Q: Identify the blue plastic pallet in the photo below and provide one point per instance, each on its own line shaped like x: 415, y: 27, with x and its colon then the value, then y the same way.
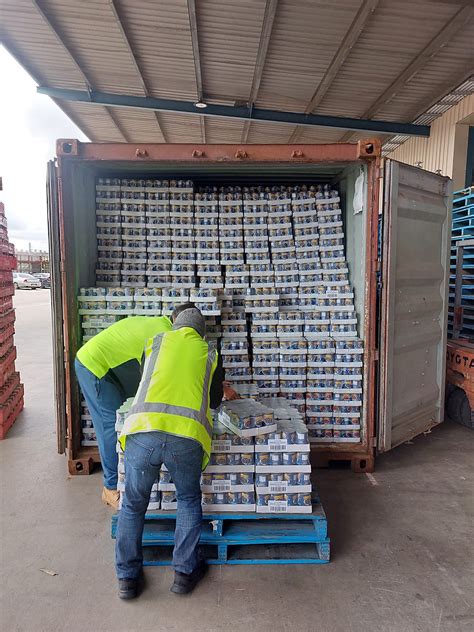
x: 463, y: 198
x: 465, y: 211
x: 462, y: 222
x: 462, y: 233
x: 246, y: 538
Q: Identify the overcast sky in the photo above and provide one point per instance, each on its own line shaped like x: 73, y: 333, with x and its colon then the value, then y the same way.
x: 30, y: 123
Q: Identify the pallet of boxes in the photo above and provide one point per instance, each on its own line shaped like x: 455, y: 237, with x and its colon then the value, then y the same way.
x: 259, y: 461
x: 258, y: 475
x: 11, y: 390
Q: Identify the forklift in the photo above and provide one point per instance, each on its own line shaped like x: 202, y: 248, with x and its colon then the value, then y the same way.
x: 460, y: 347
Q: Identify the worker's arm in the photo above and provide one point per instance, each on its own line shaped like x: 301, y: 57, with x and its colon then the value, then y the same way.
x: 217, y: 384
x: 229, y: 392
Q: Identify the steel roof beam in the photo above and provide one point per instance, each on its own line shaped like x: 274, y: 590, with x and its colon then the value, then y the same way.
x: 267, y: 26
x: 120, y: 23
x: 445, y: 91
x: 235, y: 113
x: 197, y: 63
x: 85, y: 78
x: 202, y: 123
x: 195, y: 45
x: 358, y: 24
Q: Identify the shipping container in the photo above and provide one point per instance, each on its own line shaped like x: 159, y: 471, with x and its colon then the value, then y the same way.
x: 397, y: 249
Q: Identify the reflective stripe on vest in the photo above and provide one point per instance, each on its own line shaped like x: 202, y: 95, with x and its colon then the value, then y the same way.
x: 137, y: 423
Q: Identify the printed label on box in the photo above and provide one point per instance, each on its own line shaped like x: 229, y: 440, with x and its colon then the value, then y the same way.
x: 277, y: 487
x: 277, y: 445
x: 221, y: 446
x: 278, y: 506
x: 221, y: 486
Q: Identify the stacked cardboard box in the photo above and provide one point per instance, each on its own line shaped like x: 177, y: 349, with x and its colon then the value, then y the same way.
x: 183, y: 244
x: 147, y: 301
x: 88, y: 436
x: 336, y: 378
x: 283, y: 470
x: 158, y: 233
x: 267, y: 266
x: 109, y: 232
x: 133, y: 215
x: 11, y: 390
x: 206, y: 231
x: 99, y: 307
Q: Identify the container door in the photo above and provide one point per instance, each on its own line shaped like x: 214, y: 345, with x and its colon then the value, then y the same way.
x: 56, y: 304
x: 415, y: 275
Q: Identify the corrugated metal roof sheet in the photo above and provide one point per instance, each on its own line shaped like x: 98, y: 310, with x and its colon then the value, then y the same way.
x: 396, y: 33
x: 139, y: 47
x: 305, y: 38
x: 437, y: 152
x: 160, y: 36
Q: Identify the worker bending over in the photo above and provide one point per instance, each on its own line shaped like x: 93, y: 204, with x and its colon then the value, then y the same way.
x: 170, y: 422
x: 108, y: 372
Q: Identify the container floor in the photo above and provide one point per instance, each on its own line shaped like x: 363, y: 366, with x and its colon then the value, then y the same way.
x: 402, y: 552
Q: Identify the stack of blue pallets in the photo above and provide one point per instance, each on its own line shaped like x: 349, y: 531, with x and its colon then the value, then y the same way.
x: 463, y: 228
x: 246, y: 538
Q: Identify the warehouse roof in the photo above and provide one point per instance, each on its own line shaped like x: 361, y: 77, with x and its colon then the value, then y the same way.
x: 381, y: 60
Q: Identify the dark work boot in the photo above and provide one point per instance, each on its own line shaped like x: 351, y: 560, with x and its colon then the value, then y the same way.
x: 184, y: 584
x: 128, y: 588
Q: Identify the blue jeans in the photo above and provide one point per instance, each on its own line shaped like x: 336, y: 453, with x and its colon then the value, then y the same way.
x: 144, y: 454
x: 103, y: 398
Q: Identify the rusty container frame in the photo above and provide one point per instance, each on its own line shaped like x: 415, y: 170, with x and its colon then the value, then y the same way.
x: 70, y: 152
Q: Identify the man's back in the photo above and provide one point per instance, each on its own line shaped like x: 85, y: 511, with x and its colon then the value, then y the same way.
x: 182, y: 368
x: 120, y: 343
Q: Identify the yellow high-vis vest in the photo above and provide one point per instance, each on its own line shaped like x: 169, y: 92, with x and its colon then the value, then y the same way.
x: 173, y: 395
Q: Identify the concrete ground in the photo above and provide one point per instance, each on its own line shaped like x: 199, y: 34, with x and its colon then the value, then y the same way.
x: 402, y: 541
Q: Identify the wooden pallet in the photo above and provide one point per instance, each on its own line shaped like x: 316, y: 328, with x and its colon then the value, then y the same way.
x: 242, y: 538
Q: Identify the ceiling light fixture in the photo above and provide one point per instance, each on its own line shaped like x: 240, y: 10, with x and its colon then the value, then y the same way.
x: 200, y: 104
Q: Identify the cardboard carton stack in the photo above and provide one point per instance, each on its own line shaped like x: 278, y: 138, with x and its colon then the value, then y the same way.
x: 99, y: 307
x: 109, y: 232
x: 282, y: 466
x: 267, y: 267
x: 157, y: 233
x: 88, y: 435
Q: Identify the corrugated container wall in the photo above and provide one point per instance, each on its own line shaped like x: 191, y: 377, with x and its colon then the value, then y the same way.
x: 445, y: 151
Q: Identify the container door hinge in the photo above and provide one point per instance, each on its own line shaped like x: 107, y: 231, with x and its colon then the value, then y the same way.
x: 379, y: 278
x: 376, y: 355
x: 373, y: 442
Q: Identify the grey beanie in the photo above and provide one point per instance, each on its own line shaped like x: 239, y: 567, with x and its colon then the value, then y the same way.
x: 193, y: 318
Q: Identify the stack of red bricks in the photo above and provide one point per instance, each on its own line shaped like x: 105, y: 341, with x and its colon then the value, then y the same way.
x: 11, y: 390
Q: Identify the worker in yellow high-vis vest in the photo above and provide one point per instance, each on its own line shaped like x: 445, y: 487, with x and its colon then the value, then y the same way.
x: 108, y: 371
x: 169, y: 423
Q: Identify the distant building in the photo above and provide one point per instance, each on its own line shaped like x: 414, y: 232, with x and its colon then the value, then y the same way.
x: 32, y: 261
